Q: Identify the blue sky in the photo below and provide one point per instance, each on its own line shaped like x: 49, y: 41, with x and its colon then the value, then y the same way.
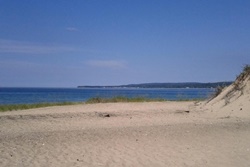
x: 62, y: 43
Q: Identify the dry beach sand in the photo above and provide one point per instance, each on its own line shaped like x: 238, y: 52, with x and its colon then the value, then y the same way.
x: 211, y: 133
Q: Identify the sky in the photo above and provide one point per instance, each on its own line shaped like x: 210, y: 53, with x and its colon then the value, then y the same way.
x: 63, y: 43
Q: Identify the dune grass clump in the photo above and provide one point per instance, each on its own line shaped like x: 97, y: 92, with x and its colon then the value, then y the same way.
x: 237, y: 83
x: 218, y: 90
x: 245, y: 72
x: 243, y: 75
x: 246, y: 69
x: 122, y: 99
x: 14, y: 107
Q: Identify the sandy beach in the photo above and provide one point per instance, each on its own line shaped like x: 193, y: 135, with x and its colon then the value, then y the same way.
x: 124, y: 83
x: 125, y: 134
x: 215, y: 132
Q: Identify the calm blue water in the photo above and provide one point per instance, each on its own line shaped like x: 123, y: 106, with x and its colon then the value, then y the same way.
x: 40, y: 95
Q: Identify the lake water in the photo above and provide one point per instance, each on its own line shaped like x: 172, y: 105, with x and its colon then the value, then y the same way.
x: 42, y: 95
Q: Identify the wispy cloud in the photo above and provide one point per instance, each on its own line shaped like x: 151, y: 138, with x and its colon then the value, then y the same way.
x: 14, y: 46
x: 112, y: 64
x: 72, y: 29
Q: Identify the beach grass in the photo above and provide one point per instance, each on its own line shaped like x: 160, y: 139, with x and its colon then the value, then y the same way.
x: 189, y: 99
x: 116, y: 99
x: 14, y: 107
x: 122, y: 99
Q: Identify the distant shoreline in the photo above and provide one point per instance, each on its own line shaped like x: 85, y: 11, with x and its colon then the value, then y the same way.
x: 167, y: 85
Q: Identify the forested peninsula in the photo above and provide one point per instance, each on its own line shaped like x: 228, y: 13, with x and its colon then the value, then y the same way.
x: 167, y: 85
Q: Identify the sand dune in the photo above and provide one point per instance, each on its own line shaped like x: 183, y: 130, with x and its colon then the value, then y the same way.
x: 233, y: 101
x: 212, y: 133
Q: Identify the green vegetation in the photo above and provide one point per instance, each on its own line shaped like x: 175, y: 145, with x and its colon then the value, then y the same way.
x: 245, y: 72
x: 13, y: 107
x: 166, y: 85
x: 189, y: 99
x: 237, y: 83
x: 218, y: 90
x: 243, y: 75
x: 122, y: 99
x: 246, y: 69
x: 134, y: 99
